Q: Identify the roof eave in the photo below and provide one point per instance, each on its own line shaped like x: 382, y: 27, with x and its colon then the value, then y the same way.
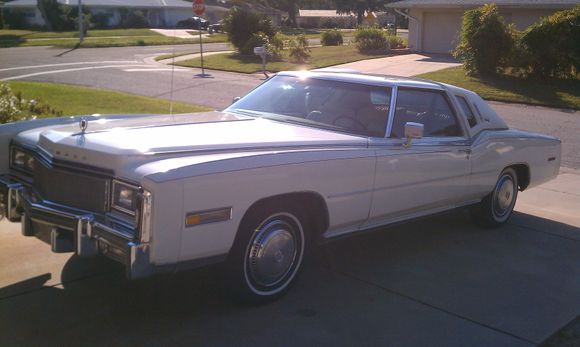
x: 462, y: 6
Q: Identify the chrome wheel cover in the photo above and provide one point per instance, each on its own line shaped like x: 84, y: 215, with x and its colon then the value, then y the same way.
x: 274, y: 254
x: 503, y: 196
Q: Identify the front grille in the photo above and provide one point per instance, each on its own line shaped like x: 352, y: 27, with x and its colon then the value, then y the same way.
x: 70, y: 188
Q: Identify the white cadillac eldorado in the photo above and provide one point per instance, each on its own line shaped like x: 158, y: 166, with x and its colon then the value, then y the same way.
x: 303, y: 158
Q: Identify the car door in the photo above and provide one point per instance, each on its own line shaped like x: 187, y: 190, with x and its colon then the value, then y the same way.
x: 430, y: 175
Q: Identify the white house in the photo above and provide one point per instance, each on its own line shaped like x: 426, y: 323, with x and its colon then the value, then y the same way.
x: 159, y: 13
x: 434, y: 25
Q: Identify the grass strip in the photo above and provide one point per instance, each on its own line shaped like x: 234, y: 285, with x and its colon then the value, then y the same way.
x: 506, y: 88
x: 74, y: 100
x: 320, y: 57
x: 96, y: 38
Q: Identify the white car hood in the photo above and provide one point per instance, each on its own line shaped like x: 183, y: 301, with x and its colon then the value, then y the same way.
x: 114, y: 144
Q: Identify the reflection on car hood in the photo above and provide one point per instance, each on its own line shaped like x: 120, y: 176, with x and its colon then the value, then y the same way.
x: 106, y: 141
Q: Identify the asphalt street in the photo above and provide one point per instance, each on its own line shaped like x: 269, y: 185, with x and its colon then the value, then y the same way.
x: 127, y: 69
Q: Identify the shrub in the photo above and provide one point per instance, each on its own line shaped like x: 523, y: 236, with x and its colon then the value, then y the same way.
x: 396, y: 42
x: 331, y: 38
x: 69, y: 19
x: 553, y: 45
x: 275, y: 46
x: 485, y: 41
x: 256, y: 40
x: 242, y: 25
x: 329, y: 23
x: 299, y: 51
x: 136, y: 19
x: 370, y: 39
x: 101, y: 20
x: 14, y: 108
x: 15, y: 20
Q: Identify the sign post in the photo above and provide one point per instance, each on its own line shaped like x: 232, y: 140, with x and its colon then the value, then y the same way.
x: 263, y: 53
x: 199, y: 10
x: 81, y: 29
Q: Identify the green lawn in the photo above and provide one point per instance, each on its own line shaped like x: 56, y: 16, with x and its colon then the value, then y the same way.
x: 320, y: 57
x: 95, y: 38
x: 73, y: 100
x: 554, y: 93
x: 167, y: 56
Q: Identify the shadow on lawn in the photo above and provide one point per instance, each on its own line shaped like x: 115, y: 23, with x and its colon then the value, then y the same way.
x: 547, y: 92
x: 11, y: 41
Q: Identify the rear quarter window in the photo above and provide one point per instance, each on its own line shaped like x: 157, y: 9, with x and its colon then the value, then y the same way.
x: 467, y: 111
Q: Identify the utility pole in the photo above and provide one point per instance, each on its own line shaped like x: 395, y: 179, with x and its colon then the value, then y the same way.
x: 81, y: 32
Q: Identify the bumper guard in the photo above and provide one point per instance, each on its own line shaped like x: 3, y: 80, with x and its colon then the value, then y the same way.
x: 89, y: 236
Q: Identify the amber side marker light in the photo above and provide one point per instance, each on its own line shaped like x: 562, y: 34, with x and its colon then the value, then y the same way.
x: 210, y: 216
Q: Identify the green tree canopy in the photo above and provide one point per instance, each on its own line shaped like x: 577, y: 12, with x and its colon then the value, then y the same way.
x: 359, y: 7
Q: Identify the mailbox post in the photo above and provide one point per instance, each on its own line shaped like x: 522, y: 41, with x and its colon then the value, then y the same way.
x: 263, y: 53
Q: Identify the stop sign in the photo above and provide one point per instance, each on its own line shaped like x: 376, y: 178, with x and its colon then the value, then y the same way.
x: 198, y: 7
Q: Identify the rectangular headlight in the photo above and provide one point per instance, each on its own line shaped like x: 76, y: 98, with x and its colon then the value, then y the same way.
x: 22, y: 160
x: 125, y: 197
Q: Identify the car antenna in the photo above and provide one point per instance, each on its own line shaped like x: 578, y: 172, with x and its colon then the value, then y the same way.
x: 172, y: 73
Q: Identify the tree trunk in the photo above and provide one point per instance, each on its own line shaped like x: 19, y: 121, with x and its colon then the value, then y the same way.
x: 360, y: 17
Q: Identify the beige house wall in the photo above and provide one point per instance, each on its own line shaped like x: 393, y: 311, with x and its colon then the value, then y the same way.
x: 436, y: 30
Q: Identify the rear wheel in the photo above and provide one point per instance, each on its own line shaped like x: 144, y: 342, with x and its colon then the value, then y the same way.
x: 497, y: 207
x: 268, y: 253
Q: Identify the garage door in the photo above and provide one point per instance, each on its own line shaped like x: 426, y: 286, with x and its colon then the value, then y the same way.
x: 440, y: 32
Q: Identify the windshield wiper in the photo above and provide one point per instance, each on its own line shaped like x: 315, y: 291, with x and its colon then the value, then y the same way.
x: 247, y: 112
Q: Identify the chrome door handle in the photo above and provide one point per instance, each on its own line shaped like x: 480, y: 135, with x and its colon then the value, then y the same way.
x: 467, y: 151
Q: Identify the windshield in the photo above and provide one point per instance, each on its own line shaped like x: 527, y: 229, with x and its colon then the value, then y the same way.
x: 353, y: 108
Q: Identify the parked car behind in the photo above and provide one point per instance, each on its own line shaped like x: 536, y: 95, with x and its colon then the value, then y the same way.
x: 216, y: 27
x: 193, y: 23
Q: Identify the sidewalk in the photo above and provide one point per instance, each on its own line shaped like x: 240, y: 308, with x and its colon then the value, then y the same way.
x: 403, y: 65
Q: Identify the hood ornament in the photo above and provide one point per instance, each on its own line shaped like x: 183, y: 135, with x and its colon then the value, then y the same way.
x: 83, y: 124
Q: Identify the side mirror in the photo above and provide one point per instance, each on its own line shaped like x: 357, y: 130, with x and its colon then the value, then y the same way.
x: 236, y: 99
x: 412, y: 131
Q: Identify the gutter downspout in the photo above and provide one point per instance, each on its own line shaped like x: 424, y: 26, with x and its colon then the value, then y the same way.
x: 405, y: 14
x: 412, y: 18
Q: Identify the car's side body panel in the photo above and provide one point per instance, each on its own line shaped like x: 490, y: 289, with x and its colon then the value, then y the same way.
x: 494, y: 150
x: 344, y: 184
x: 430, y: 174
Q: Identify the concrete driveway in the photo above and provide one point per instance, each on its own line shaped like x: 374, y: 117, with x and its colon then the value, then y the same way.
x: 438, y: 282
x: 403, y: 65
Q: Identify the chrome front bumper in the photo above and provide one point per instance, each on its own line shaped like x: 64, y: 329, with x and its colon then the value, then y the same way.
x: 72, y: 230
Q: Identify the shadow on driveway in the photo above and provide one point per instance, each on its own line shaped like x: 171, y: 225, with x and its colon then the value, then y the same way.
x: 438, y: 281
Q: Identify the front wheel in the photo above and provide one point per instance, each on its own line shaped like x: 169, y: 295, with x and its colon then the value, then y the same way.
x: 497, y: 207
x: 268, y: 253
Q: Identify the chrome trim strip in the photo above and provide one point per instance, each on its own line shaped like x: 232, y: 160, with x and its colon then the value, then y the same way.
x: 392, y: 112
x: 113, y: 231
x: 422, y: 182
x: 146, y: 208
x: 343, y: 195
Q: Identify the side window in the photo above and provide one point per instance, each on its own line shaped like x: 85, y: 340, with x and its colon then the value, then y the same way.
x: 429, y: 108
x: 466, y: 110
